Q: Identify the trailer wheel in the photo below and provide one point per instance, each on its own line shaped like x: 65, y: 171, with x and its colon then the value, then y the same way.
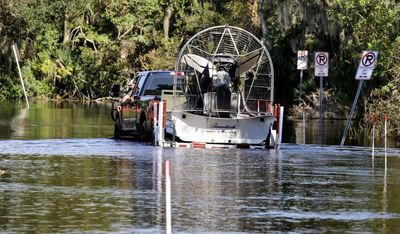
x: 270, y: 140
x: 143, y: 131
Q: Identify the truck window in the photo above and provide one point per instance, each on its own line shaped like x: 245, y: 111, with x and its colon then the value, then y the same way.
x: 140, y: 81
x: 157, y: 82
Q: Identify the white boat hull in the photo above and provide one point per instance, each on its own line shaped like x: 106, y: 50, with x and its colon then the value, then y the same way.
x: 242, y: 130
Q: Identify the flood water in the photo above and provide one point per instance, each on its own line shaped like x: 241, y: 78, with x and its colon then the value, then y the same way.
x: 61, y: 172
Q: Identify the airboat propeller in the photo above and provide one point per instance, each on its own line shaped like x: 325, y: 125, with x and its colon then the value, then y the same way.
x: 200, y: 64
x: 248, y: 61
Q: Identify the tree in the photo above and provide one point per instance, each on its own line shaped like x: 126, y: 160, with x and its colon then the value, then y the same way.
x: 374, y: 25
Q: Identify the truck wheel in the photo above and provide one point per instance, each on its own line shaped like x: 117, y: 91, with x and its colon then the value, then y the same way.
x: 150, y: 136
x: 146, y: 134
x: 117, y: 130
x: 114, y: 114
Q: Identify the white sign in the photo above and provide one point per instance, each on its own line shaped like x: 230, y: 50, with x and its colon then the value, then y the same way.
x: 321, y: 60
x: 302, y: 59
x: 367, y: 65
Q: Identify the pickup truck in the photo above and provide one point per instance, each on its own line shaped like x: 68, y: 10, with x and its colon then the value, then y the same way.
x: 135, y: 119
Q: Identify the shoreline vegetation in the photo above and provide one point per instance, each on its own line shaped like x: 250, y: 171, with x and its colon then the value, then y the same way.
x: 362, y: 122
x: 77, y: 50
x: 310, y: 105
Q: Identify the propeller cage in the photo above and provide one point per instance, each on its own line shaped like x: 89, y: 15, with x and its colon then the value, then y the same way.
x: 227, y: 71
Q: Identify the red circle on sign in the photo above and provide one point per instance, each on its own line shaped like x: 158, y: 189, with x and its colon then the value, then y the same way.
x: 368, y: 59
x: 321, y: 59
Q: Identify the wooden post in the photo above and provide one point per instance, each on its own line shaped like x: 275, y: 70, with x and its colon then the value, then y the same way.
x: 20, y: 75
x: 281, y: 109
x: 160, y: 123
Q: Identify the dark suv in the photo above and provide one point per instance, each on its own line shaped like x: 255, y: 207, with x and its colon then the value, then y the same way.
x: 136, y: 118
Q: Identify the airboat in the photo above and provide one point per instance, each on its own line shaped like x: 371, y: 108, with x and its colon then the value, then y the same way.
x: 223, y: 89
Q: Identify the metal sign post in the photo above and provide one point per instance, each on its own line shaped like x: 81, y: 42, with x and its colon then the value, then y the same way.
x: 353, y: 107
x: 364, y: 72
x: 321, y: 69
x: 321, y: 97
x: 302, y: 63
x: 301, y: 84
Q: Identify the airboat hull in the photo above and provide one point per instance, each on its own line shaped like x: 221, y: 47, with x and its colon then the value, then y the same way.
x: 252, y: 130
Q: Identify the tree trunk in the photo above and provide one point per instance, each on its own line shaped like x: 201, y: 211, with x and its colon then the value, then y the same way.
x: 262, y: 20
x: 167, y: 20
x: 66, y: 31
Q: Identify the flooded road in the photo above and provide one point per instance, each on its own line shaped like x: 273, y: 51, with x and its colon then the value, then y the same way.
x: 61, y: 181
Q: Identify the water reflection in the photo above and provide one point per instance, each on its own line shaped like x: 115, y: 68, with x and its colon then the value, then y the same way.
x: 51, y: 119
x: 55, y: 120
x: 279, y: 191
x: 77, y: 179
x: 17, y: 123
x: 309, y: 132
x: 103, y: 185
x: 50, y: 193
x: 299, y: 128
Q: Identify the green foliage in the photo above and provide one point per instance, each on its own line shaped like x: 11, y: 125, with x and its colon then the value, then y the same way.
x: 190, y: 17
x: 77, y: 49
x: 372, y: 25
x: 386, y: 101
x: 375, y: 25
x: 10, y: 88
x: 244, y: 13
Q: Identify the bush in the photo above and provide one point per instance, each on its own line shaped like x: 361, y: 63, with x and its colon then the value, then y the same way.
x: 10, y: 88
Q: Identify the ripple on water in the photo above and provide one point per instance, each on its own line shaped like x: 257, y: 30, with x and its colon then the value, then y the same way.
x: 106, y: 185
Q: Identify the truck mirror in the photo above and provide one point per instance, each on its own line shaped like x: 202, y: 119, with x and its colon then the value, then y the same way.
x: 114, y: 91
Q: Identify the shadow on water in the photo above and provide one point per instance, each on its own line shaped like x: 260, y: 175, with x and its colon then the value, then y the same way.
x: 68, y: 182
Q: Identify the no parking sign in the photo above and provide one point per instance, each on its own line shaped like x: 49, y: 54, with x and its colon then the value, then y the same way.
x: 321, y: 60
x: 367, y: 65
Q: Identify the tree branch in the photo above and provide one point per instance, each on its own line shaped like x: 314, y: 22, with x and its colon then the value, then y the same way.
x: 87, y: 39
x: 76, y: 31
x: 125, y: 33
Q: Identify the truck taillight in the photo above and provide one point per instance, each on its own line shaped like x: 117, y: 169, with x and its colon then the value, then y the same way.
x: 178, y: 73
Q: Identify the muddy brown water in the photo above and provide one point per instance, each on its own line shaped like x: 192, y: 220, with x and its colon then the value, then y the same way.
x: 61, y: 172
